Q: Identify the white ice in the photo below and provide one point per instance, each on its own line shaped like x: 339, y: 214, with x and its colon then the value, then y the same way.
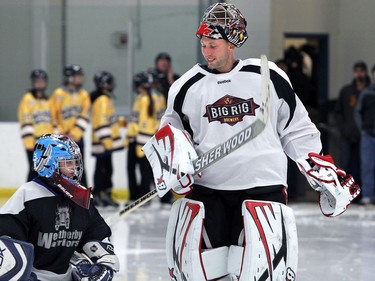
x: 330, y: 249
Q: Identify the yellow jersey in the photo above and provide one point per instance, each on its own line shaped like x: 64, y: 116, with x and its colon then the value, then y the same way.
x: 142, y: 125
x: 34, y: 116
x: 106, y: 135
x: 70, y: 111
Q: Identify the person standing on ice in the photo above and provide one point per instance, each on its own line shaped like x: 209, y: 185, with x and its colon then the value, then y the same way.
x: 234, y: 223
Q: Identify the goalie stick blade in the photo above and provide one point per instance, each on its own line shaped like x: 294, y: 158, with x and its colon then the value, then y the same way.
x: 247, y: 134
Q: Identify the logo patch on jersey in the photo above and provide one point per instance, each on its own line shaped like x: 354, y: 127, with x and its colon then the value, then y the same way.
x: 230, y: 110
x: 62, y: 217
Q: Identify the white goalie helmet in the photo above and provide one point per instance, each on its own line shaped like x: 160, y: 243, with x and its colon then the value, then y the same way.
x: 223, y: 21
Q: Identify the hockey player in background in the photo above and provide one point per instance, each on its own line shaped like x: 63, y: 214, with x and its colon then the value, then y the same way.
x: 50, y: 229
x: 34, y: 115
x: 148, y: 108
x: 106, y: 137
x: 70, y: 107
x: 234, y: 223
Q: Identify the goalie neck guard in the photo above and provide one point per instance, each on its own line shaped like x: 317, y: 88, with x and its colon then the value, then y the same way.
x: 223, y: 21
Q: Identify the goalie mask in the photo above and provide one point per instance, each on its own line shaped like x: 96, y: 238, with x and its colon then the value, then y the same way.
x: 59, y: 159
x: 57, y: 153
x: 223, y: 21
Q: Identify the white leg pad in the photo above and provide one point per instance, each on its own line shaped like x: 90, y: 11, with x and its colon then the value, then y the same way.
x: 185, y: 258
x: 270, y: 251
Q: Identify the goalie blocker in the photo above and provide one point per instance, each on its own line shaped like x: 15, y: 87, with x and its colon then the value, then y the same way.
x: 16, y: 259
x: 171, y: 154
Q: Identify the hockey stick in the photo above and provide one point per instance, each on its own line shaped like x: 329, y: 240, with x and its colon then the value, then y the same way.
x: 218, y: 152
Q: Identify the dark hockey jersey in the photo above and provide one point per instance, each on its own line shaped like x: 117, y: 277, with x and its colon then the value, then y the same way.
x: 56, y: 226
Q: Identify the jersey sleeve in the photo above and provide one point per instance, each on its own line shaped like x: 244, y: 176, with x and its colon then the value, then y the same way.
x: 171, y: 116
x: 25, y: 118
x: 56, y: 104
x: 14, y: 218
x: 298, y: 135
x: 133, y: 128
x: 83, y: 119
x: 101, y: 122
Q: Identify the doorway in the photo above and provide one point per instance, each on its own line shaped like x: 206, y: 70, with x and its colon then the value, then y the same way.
x: 306, y: 56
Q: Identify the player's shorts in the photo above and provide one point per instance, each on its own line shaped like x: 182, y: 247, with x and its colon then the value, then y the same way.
x: 223, y: 217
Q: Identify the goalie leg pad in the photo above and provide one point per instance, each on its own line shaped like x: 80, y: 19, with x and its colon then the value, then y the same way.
x: 186, y: 260
x: 270, y: 250
x: 16, y: 259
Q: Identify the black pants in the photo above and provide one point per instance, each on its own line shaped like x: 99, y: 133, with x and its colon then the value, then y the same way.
x: 81, y: 146
x: 223, y: 216
x: 103, y: 174
x: 147, y: 178
x: 132, y: 163
x: 31, y: 174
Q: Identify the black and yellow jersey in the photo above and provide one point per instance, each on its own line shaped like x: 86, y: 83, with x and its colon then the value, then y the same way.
x: 142, y: 125
x: 71, y: 111
x: 106, y: 135
x: 34, y: 116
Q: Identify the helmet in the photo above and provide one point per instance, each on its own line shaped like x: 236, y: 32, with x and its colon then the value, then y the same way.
x: 103, y: 78
x: 70, y: 71
x: 57, y: 154
x: 223, y: 21
x: 38, y: 74
x: 143, y: 79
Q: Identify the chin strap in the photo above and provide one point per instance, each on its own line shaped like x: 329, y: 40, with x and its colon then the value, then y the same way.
x: 73, y: 190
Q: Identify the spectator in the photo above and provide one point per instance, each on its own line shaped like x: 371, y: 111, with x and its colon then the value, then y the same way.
x: 365, y: 119
x: 296, y: 188
x: 300, y: 82
x: 34, y: 115
x: 70, y: 107
x: 344, y: 111
x: 105, y: 137
x: 163, y: 73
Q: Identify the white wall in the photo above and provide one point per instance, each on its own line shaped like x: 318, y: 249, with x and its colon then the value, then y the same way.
x: 13, y: 164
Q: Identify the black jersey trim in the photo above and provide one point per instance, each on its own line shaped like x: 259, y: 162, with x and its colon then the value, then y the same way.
x: 283, y: 89
x: 180, y: 98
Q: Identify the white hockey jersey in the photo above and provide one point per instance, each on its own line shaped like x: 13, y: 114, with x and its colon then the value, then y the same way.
x: 212, y: 107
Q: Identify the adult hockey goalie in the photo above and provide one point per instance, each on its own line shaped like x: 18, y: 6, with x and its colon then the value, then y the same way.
x: 50, y: 229
x: 234, y: 224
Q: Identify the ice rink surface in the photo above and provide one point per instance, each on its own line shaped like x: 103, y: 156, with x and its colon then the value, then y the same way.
x: 330, y: 249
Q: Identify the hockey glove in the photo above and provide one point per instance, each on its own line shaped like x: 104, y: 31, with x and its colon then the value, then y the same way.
x: 85, y: 270
x: 102, y: 253
x: 171, y: 156
x: 337, y: 189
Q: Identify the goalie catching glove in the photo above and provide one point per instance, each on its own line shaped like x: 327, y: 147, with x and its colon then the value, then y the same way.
x: 171, y: 156
x: 337, y: 189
